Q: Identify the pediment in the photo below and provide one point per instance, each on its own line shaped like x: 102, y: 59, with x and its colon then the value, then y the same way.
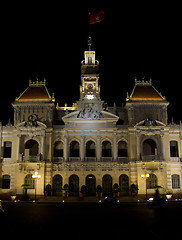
x: 24, y: 125
x: 104, y: 120
x: 150, y: 123
x: 101, y: 116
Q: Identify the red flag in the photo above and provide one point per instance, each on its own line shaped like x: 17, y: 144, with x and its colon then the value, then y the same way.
x: 96, y: 17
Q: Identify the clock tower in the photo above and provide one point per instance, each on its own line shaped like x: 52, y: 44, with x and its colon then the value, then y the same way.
x: 90, y: 89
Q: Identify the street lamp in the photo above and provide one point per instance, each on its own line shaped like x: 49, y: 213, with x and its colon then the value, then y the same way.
x: 36, y: 176
x: 145, y: 176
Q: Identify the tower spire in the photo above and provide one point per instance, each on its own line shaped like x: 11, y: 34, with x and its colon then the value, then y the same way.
x: 89, y: 42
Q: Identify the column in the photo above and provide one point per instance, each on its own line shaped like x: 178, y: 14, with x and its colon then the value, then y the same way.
x: 115, y: 152
x: 162, y: 147
x: 65, y: 148
x: 82, y: 147
x: 18, y: 147
x: 42, y: 146
x: 98, y: 148
x: 138, y: 147
x: 180, y: 152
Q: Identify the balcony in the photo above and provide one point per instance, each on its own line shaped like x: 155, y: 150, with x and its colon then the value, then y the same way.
x: 36, y: 158
x: 122, y: 159
x: 73, y: 159
x: 106, y: 159
x: 90, y: 159
x: 57, y: 160
x: 148, y: 158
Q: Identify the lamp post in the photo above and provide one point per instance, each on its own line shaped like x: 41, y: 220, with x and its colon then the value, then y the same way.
x: 36, y: 176
x: 145, y: 176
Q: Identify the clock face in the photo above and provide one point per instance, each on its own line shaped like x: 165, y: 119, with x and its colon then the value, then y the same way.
x: 90, y: 86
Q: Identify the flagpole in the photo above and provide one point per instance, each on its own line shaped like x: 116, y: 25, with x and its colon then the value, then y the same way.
x: 89, y: 34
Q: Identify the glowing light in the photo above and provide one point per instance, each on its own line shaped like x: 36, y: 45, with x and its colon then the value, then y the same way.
x: 36, y: 175
x: 90, y: 96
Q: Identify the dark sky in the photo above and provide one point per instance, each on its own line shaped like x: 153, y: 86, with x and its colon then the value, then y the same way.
x: 49, y: 39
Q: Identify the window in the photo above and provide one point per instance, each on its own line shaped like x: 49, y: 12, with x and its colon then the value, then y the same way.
x: 74, y: 149
x: 174, y: 149
x: 90, y: 149
x: 58, y: 149
x: 29, y: 180
x: 7, y: 149
x: 151, y: 181
x: 89, y: 60
x: 106, y: 149
x: 6, y: 182
x: 175, y: 181
x: 122, y: 149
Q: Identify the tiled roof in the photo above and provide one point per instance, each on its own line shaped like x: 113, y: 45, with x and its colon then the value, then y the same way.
x: 145, y: 91
x: 35, y: 92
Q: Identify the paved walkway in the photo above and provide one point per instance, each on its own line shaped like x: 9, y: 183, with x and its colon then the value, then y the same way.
x: 89, y: 199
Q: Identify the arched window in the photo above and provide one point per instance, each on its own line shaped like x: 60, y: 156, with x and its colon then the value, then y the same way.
x: 151, y: 181
x: 106, y: 149
x: 90, y: 149
x: 149, y: 147
x: 58, y: 149
x: 6, y: 182
x: 122, y: 149
x: 175, y: 181
x: 31, y: 148
x: 174, y: 149
x: 29, y: 181
x: 74, y: 149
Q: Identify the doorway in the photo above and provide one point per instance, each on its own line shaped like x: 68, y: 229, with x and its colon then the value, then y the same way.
x: 74, y: 185
x: 107, y: 184
x: 124, y: 185
x: 91, y: 185
x: 57, y: 185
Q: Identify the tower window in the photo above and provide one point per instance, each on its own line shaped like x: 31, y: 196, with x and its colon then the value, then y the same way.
x: 89, y: 60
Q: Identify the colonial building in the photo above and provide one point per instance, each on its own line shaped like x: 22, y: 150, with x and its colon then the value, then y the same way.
x: 91, y: 143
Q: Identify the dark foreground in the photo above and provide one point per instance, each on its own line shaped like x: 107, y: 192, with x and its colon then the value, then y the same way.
x: 91, y: 220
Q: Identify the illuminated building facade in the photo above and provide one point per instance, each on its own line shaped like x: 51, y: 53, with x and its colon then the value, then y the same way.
x: 91, y: 143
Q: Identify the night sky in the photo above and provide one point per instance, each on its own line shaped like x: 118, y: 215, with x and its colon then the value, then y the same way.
x: 49, y: 40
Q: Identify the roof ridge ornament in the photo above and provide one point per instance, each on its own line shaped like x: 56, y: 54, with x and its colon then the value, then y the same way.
x: 143, y: 82
x: 37, y: 83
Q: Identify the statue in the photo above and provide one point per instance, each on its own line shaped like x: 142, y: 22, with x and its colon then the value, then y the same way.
x: 89, y: 113
x: 32, y: 121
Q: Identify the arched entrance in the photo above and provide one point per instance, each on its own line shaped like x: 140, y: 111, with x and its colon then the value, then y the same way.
x: 124, y: 185
x: 31, y: 148
x: 149, y: 147
x: 91, y: 185
x: 57, y: 185
x: 107, y: 184
x: 74, y: 185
